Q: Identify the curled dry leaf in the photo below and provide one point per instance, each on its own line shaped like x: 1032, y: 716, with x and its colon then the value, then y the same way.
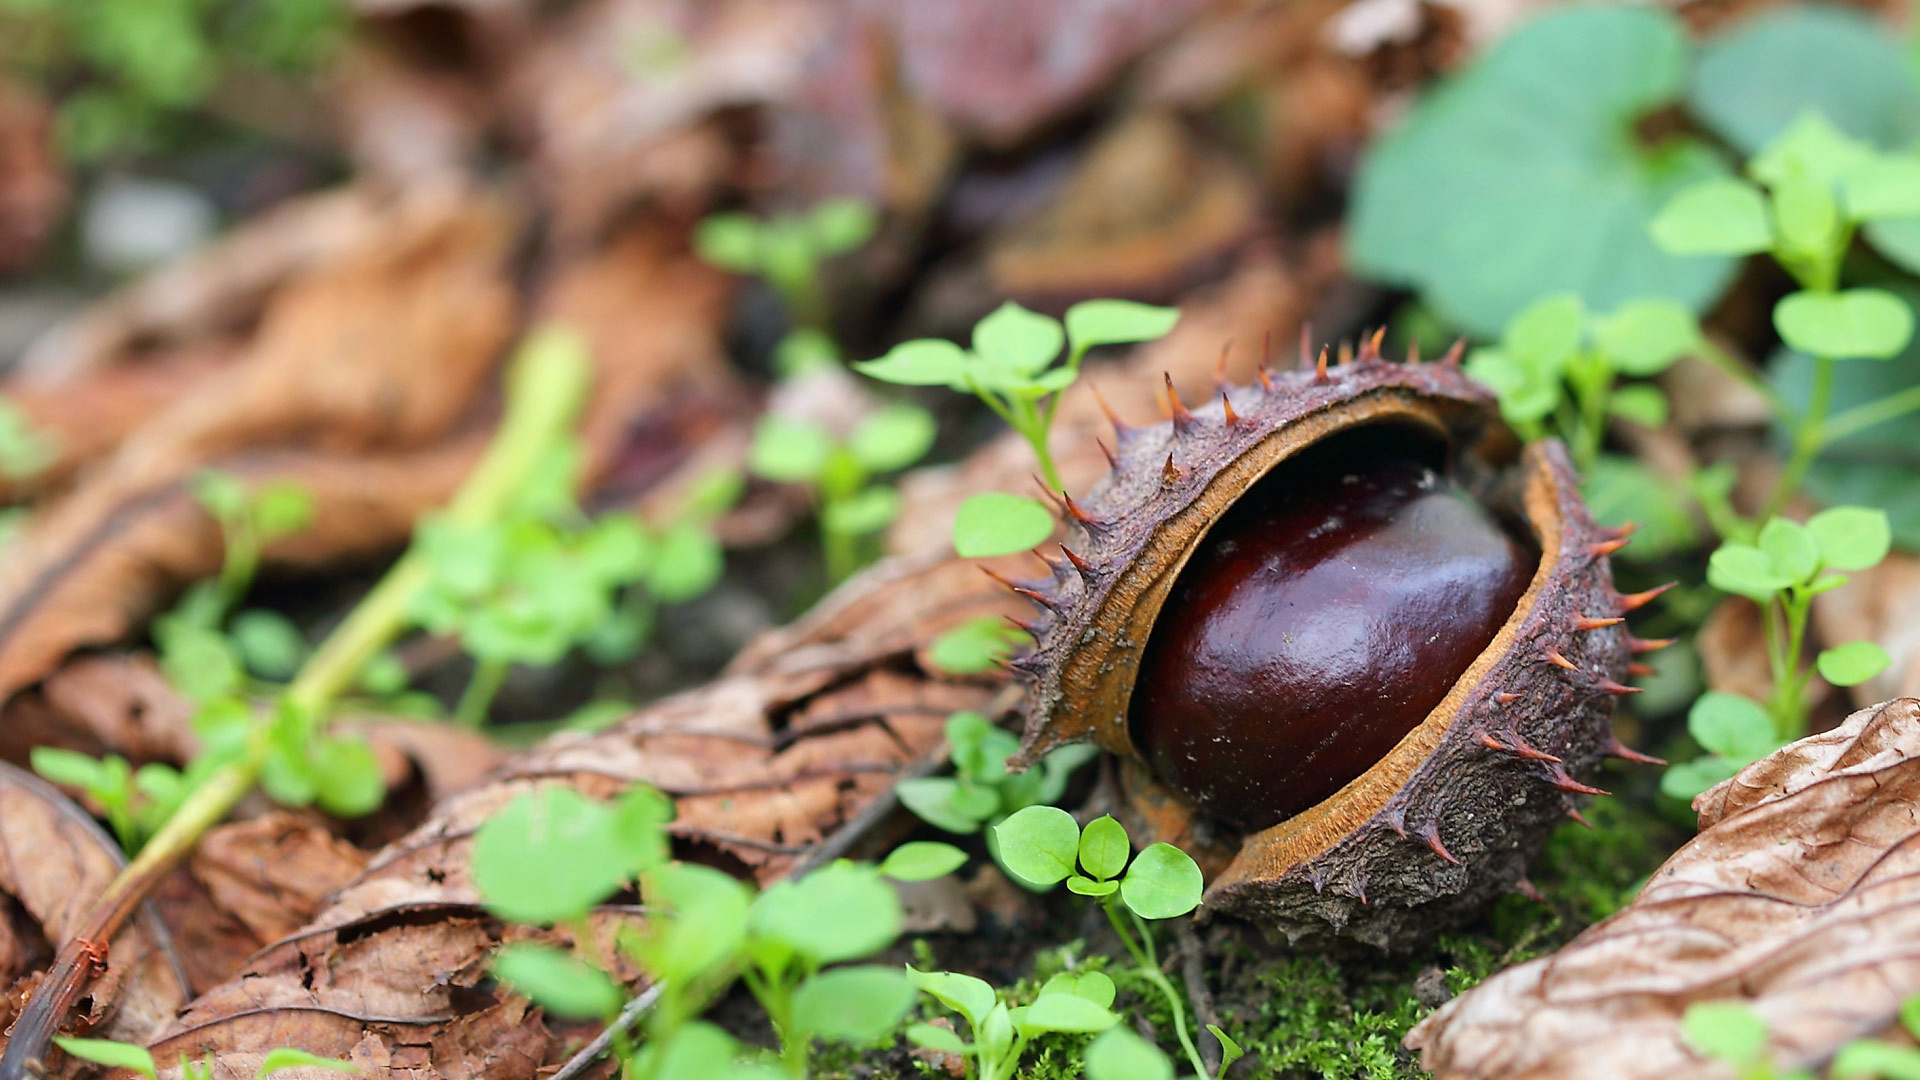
x: 272, y: 872
x: 1800, y: 897
x: 54, y: 860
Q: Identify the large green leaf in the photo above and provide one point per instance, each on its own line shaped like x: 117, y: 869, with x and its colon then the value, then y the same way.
x: 1842, y: 63
x: 1523, y: 177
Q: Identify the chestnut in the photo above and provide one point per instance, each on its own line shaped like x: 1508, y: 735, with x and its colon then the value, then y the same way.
x: 1343, y: 622
x: 1324, y: 617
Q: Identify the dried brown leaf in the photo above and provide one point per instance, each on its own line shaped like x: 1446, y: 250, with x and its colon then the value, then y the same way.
x: 1800, y: 897
x: 54, y: 860
x: 33, y: 188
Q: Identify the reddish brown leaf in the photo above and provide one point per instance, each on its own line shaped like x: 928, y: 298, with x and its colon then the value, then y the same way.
x: 1800, y: 897
x: 33, y: 189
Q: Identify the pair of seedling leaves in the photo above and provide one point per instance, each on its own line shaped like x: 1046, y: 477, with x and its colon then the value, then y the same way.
x: 1820, y: 186
x: 1733, y: 1033
x: 788, y: 250
x: 1787, y: 566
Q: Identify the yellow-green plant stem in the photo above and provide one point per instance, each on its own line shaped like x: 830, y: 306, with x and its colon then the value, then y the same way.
x: 1809, y: 437
x: 546, y: 385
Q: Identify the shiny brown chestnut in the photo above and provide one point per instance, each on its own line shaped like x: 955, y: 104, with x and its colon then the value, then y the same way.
x: 1345, y: 621
x: 1326, y: 615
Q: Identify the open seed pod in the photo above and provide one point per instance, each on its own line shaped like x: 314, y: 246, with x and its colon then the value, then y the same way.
x: 1344, y: 615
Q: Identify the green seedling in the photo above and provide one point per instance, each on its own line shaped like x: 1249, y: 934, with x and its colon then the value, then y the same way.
x: 132, y: 77
x: 1731, y: 1032
x: 1782, y: 572
x: 543, y: 579
x: 1805, y: 195
x: 788, y: 250
x: 981, y: 792
x: 976, y: 646
x: 1042, y: 846
x: 853, y: 508
x: 1557, y: 368
x: 1863, y: 1059
x: 1011, y: 364
x: 552, y: 856
x: 138, y: 1059
x: 1073, y: 1004
x: 135, y: 801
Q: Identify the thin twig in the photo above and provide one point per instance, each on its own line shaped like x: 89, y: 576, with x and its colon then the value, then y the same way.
x: 629, y: 1018
x: 1193, y: 970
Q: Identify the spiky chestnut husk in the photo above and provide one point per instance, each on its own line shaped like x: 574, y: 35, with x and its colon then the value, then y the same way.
x: 1449, y: 817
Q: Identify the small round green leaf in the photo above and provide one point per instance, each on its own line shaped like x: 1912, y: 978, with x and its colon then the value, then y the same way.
x: 1038, y: 845
x: 1869, y: 323
x: 1728, y: 1031
x: 863, y: 513
x: 1853, y: 663
x: 1850, y: 537
x: 839, y: 912
x: 1104, y: 848
x: 937, y: 801
x: 1686, y: 779
x: 1790, y: 549
x: 116, y: 1055
x: 1745, y: 571
x: 1064, y: 1012
x: 841, y: 225
x: 1732, y: 726
x: 789, y: 450
x: 1886, y: 187
x: 1119, y: 1054
x: 1116, y: 322
x: 558, y: 981
x: 1081, y: 885
x: 935, y: 1038
x: 893, y: 438
x: 999, y: 524
x: 1545, y: 333
x: 853, y: 1004
x: 973, y: 646
x: 700, y: 924
x: 1095, y: 986
x: 922, y: 860
x: 1017, y: 341
x: 348, y: 782
x: 1163, y: 883
x: 924, y: 362
x: 545, y: 858
x: 729, y: 241
x: 1714, y: 217
x: 1642, y: 403
x: 970, y: 997
x: 1645, y: 337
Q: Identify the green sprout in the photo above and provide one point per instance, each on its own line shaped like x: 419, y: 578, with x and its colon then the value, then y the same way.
x: 1782, y: 572
x: 1807, y: 193
x: 552, y: 856
x: 134, y: 1058
x: 1011, y: 364
x: 787, y: 250
x: 853, y: 509
x: 1042, y: 846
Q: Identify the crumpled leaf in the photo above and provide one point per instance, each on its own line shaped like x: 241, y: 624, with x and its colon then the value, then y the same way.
x: 54, y: 860
x: 1800, y: 897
